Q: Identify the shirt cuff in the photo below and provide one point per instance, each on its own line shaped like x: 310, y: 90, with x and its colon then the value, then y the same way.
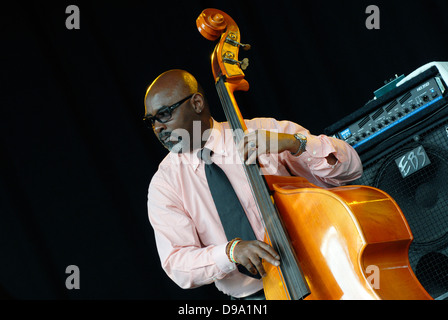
x: 316, y: 151
x: 221, y: 259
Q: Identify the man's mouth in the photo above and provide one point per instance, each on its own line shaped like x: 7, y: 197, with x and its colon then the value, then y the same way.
x: 164, y: 137
x: 174, y: 139
x: 169, y: 140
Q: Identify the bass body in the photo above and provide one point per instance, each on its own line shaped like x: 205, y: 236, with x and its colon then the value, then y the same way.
x: 351, y: 242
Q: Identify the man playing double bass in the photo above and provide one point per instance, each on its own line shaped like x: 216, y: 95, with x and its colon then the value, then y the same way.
x: 190, y: 237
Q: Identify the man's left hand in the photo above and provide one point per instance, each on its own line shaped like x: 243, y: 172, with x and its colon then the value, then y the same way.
x: 258, y: 142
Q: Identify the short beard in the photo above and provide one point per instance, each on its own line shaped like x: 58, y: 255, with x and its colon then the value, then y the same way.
x: 181, y: 140
x: 172, y: 146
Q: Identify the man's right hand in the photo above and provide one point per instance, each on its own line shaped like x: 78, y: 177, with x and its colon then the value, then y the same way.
x: 250, y: 253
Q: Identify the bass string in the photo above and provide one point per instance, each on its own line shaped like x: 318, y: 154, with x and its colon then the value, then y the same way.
x: 269, y: 214
x: 252, y: 171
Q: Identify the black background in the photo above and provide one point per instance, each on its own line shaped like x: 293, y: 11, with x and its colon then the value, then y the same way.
x: 76, y: 160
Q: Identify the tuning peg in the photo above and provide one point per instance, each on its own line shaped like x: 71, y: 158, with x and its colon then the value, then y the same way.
x: 243, y: 63
x: 245, y: 46
x: 231, y: 40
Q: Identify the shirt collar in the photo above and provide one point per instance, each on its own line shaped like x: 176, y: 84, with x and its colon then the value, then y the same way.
x: 215, y: 142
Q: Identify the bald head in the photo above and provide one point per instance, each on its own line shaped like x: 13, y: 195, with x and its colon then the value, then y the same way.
x: 168, y: 89
x: 173, y: 84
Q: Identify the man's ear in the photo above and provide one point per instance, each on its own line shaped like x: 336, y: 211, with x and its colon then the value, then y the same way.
x: 198, y: 103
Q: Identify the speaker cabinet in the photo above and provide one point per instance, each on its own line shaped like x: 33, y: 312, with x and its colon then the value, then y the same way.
x: 402, y: 140
x: 415, y: 174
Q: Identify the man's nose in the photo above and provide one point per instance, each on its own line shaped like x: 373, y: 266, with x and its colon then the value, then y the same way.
x: 158, y: 127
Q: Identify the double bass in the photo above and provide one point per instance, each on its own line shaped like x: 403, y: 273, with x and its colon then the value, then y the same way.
x: 348, y: 242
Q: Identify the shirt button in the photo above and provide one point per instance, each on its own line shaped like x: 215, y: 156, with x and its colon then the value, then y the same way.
x: 314, y: 152
x: 309, y: 159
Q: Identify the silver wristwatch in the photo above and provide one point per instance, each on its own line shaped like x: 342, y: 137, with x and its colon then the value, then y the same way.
x: 302, y: 139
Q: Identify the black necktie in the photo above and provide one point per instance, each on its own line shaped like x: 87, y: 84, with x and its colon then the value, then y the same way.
x: 230, y: 210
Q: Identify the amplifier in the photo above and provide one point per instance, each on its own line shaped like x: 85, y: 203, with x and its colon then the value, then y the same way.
x: 402, y: 139
x: 385, y: 116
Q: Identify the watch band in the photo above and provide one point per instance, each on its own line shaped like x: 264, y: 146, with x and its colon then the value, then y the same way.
x: 302, y: 138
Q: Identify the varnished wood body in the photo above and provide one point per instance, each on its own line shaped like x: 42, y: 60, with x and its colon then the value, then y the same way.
x: 352, y: 242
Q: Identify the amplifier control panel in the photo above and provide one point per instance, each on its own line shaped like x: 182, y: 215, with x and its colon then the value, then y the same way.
x: 392, y: 113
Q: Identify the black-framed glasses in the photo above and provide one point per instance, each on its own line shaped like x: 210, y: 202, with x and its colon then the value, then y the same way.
x: 164, y: 114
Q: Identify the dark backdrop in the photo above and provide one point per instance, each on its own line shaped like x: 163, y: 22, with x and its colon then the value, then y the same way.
x: 76, y: 159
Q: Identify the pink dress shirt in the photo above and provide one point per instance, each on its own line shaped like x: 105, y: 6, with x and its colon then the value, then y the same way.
x: 189, y: 236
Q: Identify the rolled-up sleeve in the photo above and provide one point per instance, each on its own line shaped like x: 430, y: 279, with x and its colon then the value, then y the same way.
x: 312, y: 164
x: 347, y: 168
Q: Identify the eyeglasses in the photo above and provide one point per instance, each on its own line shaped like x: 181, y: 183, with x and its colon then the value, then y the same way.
x: 164, y: 114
